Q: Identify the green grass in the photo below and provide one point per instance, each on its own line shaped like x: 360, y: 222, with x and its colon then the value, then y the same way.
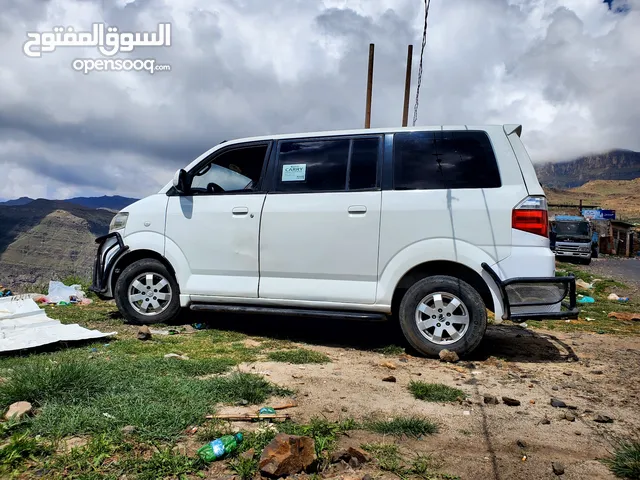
x: 390, y: 350
x: 244, y: 467
x: 626, y: 461
x: 20, y: 448
x: 434, y: 392
x: 298, y: 356
x: 422, y: 466
x: 410, y: 426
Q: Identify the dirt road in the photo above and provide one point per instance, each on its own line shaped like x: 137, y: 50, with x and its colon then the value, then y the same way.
x: 593, y: 374
x: 626, y: 270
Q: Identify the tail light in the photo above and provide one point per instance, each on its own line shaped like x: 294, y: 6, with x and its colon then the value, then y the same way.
x: 531, y: 216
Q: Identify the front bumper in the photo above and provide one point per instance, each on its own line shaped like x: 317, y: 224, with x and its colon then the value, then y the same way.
x: 524, y: 298
x: 110, y: 249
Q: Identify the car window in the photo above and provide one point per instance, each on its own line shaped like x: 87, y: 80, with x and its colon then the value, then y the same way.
x: 327, y: 165
x: 234, y: 170
x: 443, y: 160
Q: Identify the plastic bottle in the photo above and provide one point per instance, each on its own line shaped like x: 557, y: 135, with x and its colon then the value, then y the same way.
x: 220, y: 447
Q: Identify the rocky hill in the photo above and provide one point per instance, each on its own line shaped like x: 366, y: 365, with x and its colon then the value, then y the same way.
x: 613, y: 165
x: 45, y: 240
x: 623, y: 196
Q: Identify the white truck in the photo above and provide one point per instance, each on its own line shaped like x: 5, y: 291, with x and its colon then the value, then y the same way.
x: 431, y: 226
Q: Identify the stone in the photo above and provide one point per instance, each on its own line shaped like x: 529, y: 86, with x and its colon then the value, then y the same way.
x: 448, y: 356
x: 390, y: 378
x: 558, y: 468
x: 554, y: 388
x: 597, y: 372
x: 545, y: 421
x: 128, y: 430
x: 491, y: 400
x: 347, y: 454
x: 367, y: 477
x: 521, y: 444
x: 568, y: 374
x: 287, y: 455
x: 570, y: 416
x: 18, y: 410
x: 512, y: 402
x: 389, y: 365
x: 248, y: 455
x: 176, y: 356
x: 144, y: 333
x: 558, y: 403
x: 603, y: 419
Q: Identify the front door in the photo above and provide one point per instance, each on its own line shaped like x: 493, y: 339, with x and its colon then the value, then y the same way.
x: 320, y: 222
x: 216, y: 227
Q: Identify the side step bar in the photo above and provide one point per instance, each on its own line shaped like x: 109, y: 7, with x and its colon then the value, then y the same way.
x: 290, y: 312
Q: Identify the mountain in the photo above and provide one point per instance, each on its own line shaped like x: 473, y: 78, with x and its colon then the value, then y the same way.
x: 17, y: 201
x: 612, y: 165
x: 48, y: 240
x: 115, y: 202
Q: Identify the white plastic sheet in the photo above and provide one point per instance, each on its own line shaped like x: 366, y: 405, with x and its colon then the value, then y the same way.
x: 23, y: 325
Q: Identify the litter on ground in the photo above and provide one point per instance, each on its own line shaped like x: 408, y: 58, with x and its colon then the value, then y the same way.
x: 23, y: 325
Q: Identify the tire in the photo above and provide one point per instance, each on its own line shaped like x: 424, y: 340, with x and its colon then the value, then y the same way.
x: 141, y: 312
x: 448, y: 288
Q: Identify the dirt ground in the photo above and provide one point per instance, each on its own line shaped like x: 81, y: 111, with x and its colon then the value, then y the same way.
x: 595, y: 374
x: 627, y: 269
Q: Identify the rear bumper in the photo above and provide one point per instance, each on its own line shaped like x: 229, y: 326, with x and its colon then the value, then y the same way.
x: 526, y: 298
x: 110, y: 249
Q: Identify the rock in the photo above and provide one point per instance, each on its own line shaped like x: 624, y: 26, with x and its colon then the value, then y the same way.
x: 144, y: 333
x: 389, y: 365
x: 532, y: 402
x: 390, y: 378
x: 350, y: 453
x: 491, y: 400
x: 625, y: 316
x: 353, y: 462
x: 558, y: 468
x: 287, y: 455
x: 545, y: 421
x: 367, y: 477
x: 558, y: 403
x: 568, y: 374
x: 512, y: 402
x: 176, y: 356
x: 243, y: 402
x: 603, y: 419
x: 570, y: 416
x: 597, y: 372
x: 555, y: 388
x: 128, y: 430
x: 448, y: 356
x: 18, y: 410
x: 248, y: 455
x: 521, y: 444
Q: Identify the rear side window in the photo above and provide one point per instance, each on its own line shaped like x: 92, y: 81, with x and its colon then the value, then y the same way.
x: 328, y: 165
x: 443, y: 160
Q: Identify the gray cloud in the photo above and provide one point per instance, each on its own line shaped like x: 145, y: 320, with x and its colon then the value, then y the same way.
x: 568, y: 70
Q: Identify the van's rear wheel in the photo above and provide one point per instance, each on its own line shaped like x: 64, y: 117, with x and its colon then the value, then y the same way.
x: 146, y: 293
x: 443, y: 312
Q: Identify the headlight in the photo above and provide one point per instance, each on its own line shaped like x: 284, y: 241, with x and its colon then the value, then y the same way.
x: 119, y: 221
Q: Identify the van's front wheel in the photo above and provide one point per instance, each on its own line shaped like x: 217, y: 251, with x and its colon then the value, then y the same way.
x: 146, y: 293
x: 443, y: 312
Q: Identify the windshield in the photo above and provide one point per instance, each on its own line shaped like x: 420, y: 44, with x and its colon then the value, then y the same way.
x: 572, y: 228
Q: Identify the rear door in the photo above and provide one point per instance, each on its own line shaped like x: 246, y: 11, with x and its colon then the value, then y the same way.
x: 447, y: 186
x: 320, y: 223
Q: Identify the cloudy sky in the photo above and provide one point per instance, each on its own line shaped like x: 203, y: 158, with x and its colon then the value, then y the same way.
x: 568, y: 70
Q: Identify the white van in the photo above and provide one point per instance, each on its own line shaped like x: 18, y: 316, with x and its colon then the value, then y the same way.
x: 432, y: 226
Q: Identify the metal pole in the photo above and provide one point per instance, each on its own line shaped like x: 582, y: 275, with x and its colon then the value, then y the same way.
x: 407, y: 87
x: 367, y: 117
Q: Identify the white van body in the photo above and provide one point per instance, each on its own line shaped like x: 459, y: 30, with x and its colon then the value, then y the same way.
x: 419, y: 203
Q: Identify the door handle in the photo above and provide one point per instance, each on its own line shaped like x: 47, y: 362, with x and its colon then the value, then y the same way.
x: 240, y: 211
x: 357, y: 209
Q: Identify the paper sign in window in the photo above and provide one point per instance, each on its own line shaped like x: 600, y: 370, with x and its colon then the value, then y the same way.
x: 294, y: 173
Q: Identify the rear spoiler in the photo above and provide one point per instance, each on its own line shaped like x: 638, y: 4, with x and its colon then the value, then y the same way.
x: 512, y: 128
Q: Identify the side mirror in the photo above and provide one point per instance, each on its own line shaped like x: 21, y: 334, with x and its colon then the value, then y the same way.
x: 180, y: 181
